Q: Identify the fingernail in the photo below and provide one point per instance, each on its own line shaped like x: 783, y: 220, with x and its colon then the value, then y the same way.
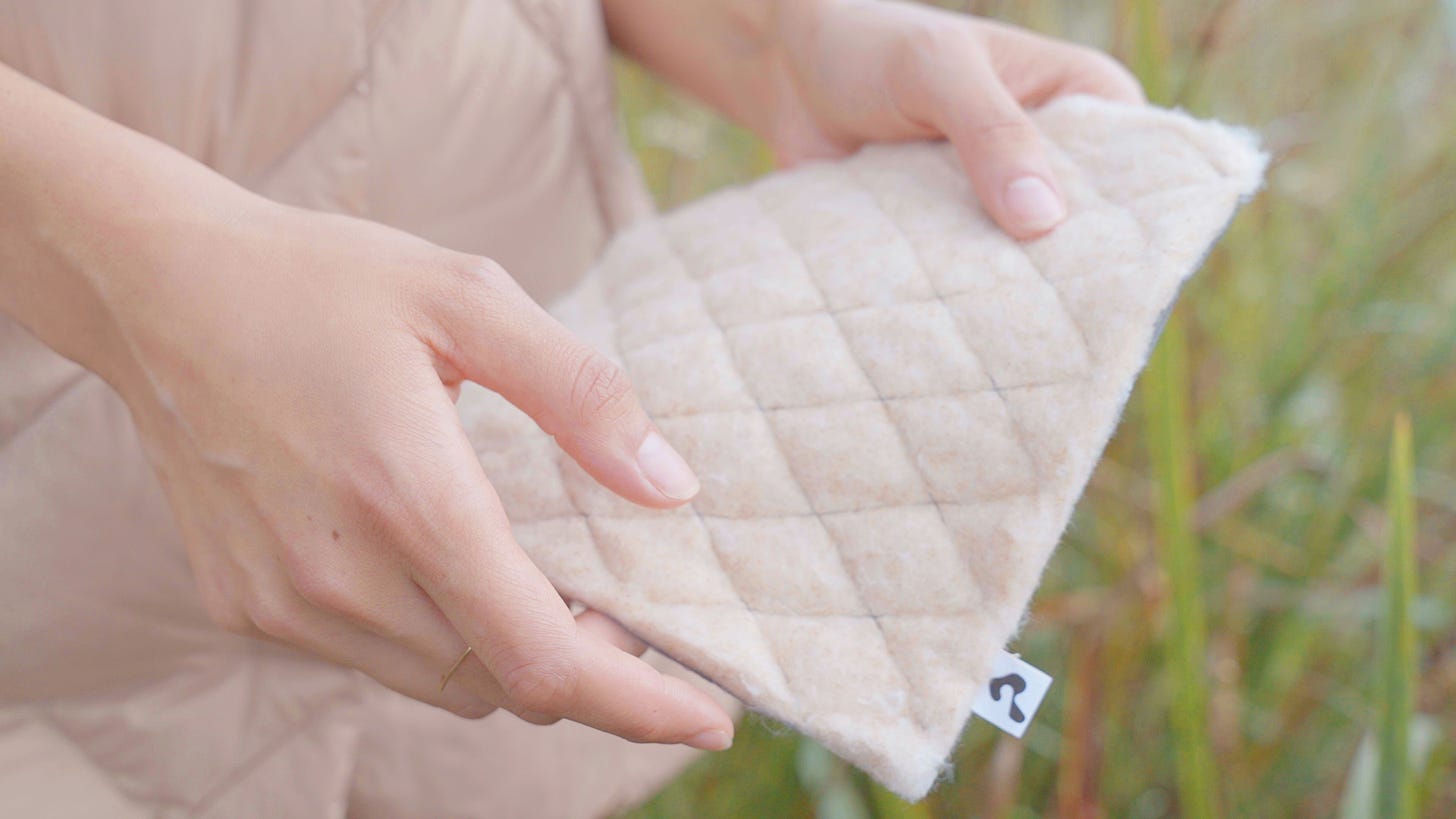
x: 1033, y: 204
x: 665, y: 468
x: 713, y: 739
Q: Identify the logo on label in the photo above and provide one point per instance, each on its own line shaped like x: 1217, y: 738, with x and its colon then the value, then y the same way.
x: 1011, y: 698
x: 1017, y: 684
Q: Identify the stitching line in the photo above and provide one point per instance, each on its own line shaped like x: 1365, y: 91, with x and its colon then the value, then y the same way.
x: 557, y: 461
x: 768, y: 645
x: 752, y: 193
x: 940, y: 299
x: 883, y: 399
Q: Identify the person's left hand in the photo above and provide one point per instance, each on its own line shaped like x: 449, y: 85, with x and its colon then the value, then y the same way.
x: 858, y: 71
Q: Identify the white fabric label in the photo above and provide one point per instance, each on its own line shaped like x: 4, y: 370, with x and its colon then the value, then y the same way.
x: 1015, y: 691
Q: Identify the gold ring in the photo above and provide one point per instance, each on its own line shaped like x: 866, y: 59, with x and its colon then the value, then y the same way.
x: 456, y: 667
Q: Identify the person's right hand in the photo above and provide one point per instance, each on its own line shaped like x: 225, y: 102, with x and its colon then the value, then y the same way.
x: 292, y: 377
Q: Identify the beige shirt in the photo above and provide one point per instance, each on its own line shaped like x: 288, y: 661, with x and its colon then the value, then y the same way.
x: 484, y: 126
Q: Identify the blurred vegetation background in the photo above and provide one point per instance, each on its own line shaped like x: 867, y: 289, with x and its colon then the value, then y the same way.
x: 1254, y: 610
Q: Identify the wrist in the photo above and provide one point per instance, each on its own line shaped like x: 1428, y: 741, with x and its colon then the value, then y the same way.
x: 104, y: 259
x: 93, y: 212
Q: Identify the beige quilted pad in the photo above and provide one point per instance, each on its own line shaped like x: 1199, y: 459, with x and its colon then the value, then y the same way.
x: 892, y: 407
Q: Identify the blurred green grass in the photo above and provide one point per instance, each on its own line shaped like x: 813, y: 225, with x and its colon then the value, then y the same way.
x: 1215, y: 614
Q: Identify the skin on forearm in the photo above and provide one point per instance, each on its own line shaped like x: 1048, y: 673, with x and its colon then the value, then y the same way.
x: 726, y: 52
x: 80, y: 191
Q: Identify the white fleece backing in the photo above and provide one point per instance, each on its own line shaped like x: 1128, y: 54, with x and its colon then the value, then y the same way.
x: 892, y: 407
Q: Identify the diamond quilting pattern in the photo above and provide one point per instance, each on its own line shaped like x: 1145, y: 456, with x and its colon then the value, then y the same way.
x: 892, y: 408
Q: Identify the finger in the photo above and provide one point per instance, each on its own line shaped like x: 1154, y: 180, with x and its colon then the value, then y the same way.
x: 503, y: 340
x: 287, y: 618
x: 1037, y: 69
x: 547, y: 664
x: 599, y: 626
x: 381, y: 599
x: 610, y: 631
x: 613, y: 687
x: 1088, y: 71
x: 949, y: 84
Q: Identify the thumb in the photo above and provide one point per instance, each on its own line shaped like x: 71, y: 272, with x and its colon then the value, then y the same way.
x: 959, y: 92
x: 503, y: 340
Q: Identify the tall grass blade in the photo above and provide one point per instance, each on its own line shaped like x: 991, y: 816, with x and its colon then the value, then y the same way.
x: 1396, y: 789
x: 1170, y: 447
x: 1150, y: 50
x: 1165, y: 391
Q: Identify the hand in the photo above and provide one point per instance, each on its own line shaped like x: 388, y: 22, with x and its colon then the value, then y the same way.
x: 291, y: 375
x: 857, y: 71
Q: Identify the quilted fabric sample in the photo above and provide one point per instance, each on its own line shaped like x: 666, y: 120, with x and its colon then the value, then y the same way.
x: 892, y: 407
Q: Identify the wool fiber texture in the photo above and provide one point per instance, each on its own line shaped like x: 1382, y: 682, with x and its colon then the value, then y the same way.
x: 893, y: 408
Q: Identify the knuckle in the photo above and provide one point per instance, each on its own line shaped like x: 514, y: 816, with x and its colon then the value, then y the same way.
x: 601, y: 393
x: 484, y: 269
x: 323, y: 586
x: 273, y: 616
x: 544, y: 685
x: 469, y: 292
x: 471, y: 709
x: 537, y: 719
x: 476, y: 282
